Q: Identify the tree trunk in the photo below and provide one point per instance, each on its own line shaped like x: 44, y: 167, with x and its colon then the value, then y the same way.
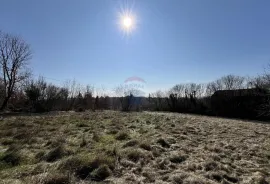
x: 4, y: 104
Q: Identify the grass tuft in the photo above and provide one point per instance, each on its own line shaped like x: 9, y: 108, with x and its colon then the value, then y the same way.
x: 131, y: 143
x: 134, y: 155
x: 55, y: 154
x: 163, y: 143
x: 101, y: 173
x: 146, y: 146
x: 210, y: 166
x: 178, y: 158
x: 50, y: 178
x: 10, y: 158
x: 122, y: 136
x: 84, y: 165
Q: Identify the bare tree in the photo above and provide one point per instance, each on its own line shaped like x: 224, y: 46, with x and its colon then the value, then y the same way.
x: 228, y: 82
x: 214, y: 86
x: 74, y: 88
x: 100, y: 91
x: 258, y: 82
x: 14, y: 56
x: 158, y: 98
x: 194, y: 90
x: 261, y: 81
x: 88, y: 97
x: 232, y: 82
x: 128, y: 96
x: 178, y: 89
x: 183, y: 90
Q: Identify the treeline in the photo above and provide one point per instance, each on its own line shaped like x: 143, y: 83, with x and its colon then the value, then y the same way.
x: 231, y: 95
x: 41, y: 96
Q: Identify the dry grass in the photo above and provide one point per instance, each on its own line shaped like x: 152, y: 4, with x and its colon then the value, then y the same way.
x: 117, y: 147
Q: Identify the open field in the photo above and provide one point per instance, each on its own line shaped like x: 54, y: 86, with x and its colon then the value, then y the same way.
x: 116, y: 147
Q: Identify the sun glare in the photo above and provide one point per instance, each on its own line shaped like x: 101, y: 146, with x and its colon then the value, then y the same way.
x: 127, y: 20
x: 127, y: 23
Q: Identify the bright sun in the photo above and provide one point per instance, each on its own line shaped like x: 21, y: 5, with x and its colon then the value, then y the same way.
x: 127, y: 19
x: 127, y: 22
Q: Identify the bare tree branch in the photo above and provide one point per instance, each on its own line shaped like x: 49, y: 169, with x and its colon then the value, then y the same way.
x: 14, y: 56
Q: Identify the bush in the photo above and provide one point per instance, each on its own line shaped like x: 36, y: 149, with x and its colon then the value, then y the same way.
x: 79, y: 109
x: 39, y: 108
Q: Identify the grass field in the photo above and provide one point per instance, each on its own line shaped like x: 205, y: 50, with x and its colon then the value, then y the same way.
x: 116, y: 147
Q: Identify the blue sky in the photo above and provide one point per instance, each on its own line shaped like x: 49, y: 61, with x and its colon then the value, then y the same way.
x: 175, y: 41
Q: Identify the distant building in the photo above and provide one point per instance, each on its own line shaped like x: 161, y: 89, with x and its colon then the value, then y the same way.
x: 243, y: 103
x: 241, y: 92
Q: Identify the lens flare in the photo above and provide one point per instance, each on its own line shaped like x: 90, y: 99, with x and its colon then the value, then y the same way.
x: 127, y: 20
